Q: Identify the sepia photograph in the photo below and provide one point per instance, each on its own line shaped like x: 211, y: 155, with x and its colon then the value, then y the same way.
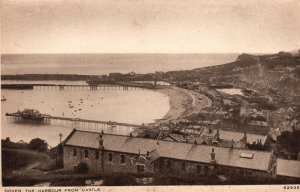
x: 138, y: 95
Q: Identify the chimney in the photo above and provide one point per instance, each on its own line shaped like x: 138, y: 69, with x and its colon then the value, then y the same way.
x: 218, y: 134
x: 245, y: 138
x: 101, y: 141
x: 148, y: 155
x: 212, y: 156
x: 231, y: 146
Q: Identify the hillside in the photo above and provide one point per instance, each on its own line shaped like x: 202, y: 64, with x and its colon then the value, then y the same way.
x: 275, y: 74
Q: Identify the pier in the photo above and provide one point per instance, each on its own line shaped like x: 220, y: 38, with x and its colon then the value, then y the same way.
x: 84, y: 124
x: 114, y: 86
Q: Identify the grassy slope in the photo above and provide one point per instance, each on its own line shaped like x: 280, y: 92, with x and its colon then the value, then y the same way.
x: 16, y: 159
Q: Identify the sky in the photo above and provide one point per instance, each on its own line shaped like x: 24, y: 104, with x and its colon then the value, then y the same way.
x: 156, y: 26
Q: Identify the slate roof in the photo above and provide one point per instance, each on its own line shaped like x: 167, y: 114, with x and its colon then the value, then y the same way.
x: 258, y: 123
x: 288, y: 168
x: 168, y: 149
x: 236, y: 136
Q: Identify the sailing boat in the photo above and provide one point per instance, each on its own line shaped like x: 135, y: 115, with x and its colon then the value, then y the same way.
x: 3, y: 98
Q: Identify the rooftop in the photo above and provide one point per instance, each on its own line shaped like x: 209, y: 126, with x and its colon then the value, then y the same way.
x: 289, y: 168
x: 168, y: 149
x: 236, y: 136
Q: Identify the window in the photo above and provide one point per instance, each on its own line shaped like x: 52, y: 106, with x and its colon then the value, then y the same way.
x: 86, y: 153
x: 225, y: 170
x: 168, y: 163
x: 247, y: 155
x: 243, y: 172
x: 248, y: 173
x: 140, y: 168
x: 74, y: 152
x: 122, y: 158
x: 199, y: 169
x: 110, y: 157
x: 97, y: 154
x: 205, y: 169
x: 183, y: 165
x: 162, y: 163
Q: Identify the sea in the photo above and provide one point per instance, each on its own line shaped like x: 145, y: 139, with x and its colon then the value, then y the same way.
x: 101, y: 64
x: 136, y: 106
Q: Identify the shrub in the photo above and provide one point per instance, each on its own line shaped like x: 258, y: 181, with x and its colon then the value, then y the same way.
x: 81, y: 168
x: 38, y: 144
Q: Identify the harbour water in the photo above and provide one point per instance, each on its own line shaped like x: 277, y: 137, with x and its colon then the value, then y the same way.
x: 131, y: 106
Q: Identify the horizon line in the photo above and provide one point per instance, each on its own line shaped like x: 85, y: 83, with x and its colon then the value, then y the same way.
x: 138, y: 53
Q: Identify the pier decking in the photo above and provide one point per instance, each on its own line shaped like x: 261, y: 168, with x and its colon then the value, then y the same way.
x: 113, y: 86
x: 85, y: 123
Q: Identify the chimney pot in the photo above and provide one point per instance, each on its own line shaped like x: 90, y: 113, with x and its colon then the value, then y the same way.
x: 212, y: 156
x: 101, y: 141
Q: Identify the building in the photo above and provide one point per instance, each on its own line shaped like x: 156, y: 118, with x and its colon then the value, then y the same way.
x: 240, y: 139
x: 288, y: 170
x: 257, y: 127
x: 116, y: 154
x: 218, y: 137
x: 252, y: 126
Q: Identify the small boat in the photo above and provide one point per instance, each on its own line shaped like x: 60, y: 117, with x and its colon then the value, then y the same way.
x: 3, y: 98
x: 69, y: 101
x: 79, y: 109
x: 70, y: 106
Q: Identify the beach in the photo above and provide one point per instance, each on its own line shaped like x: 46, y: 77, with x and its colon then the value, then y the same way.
x: 182, y: 102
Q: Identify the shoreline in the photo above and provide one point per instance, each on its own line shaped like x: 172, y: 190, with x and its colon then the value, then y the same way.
x: 182, y: 103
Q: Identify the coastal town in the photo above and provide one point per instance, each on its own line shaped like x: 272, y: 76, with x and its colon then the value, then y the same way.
x: 235, y: 123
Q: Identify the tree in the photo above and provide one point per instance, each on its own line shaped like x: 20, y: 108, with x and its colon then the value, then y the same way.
x: 5, y: 143
x: 38, y: 144
x: 290, y: 141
